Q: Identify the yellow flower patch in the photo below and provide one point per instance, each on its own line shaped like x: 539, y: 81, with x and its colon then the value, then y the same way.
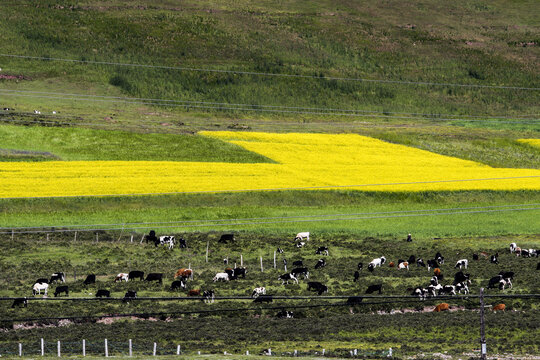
x: 307, y: 161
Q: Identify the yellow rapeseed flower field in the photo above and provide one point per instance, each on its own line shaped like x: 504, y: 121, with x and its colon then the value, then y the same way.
x: 301, y: 161
x: 533, y: 142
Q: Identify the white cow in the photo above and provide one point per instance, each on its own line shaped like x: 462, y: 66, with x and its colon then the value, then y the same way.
x: 377, y: 262
x: 167, y: 240
x: 302, y: 236
x: 36, y: 289
x: 258, y: 291
x: 221, y: 276
x: 462, y: 263
x: 403, y: 265
x: 513, y: 247
x: 122, y: 277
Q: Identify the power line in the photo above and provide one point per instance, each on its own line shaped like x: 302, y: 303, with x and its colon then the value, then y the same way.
x: 179, y: 68
x: 155, y: 223
x: 275, y: 222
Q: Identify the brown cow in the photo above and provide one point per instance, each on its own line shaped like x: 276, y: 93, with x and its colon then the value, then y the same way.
x: 196, y: 292
x: 437, y: 272
x: 499, y: 307
x: 442, y: 307
x: 391, y: 264
x: 183, y: 272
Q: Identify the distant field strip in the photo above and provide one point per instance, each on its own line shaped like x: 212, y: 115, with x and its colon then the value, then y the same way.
x: 532, y: 142
x: 307, y: 161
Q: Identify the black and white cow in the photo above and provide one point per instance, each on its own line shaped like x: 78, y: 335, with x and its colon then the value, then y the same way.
x: 279, y: 250
x: 317, y: 286
x: 448, y: 290
x: 420, y: 292
x: 167, y: 240
x: 432, y: 264
x: 103, y: 293
x: 420, y: 262
x: 286, y: 277
x: 300, y: 271
x: 513, y: 247
x: 494, y: 281
x: 90, y: 279
x: 285, y: 314
x: 258, y: 292
x: 433, y: 290
x: 372, y: 288
x: 20, y: 301
x: 300, y: 244
x: 360, y: 265
x: 494, y: 259
x: 378, y: 261
x: 155, y: 277
x: 61, y: 289
x: 507, y: 275
x: 434, y: 281
x: 320, y: 264
x: 136, y: 274
x: 322, y: 250
x: 263, y: 298
x: 209, y: 296
x: 462, y: 287
x: 58, y: 276
x: 462, y: 263
x: 460, y: 277
x: 504, y: 282
x: 177, y: 284
x: 439, y: 258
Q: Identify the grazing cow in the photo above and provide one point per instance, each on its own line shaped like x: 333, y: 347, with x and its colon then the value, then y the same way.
x: 460, y: 277
x: 103, y: 293
x: 494, y: 281
x: 90, y: 279
x: 403, y: 265
x: 513, y: 247
x: 135, y: 274
x: 300, y: 244
x: 263, y: 298
x: 300, y: 271
x: 194, y: 292
x: 36, y: 289
x: 371, y: 267
x: 167, y: 240
x: 155, y: 277
x: 225, y: 261
x: 279, y: 250
x: 442, y: 307
x: 59, y: 276
x: 177, y: 284
x: 392, y: 264
x: 151, y: 237
x: 42, y: 280
x: 499, y: 307
x: 475, y: 256
x: 507, y: 275
x: 434, y: 289
x: 372, y: 288
x: 420, y: 262
x: 538, y: 266
x: 298, y: 263
x: 225, y: 238
x: 230, y: 272
x: 322, y: 250
x: 354, y: 300
x: 462, y: 263
x: 494, y: 259
x: 378, y: 261
x: 286, y: 277
x: 533, y: 252
x: 437, y: 272
x: 37, y: 112
x: 432, y: 264
x: 420, y: 292
x: 448, y: 290
x: 121, y: 277
x: 302, y: 236
x: 504, y: 282
x: 209, y: 296
x: 462, y: 287
x: 183, y: 243
x: 221, y: 276
x: 356, y: 276
x: 409, y: 238
x: 524, y: 253
x: 317, y: 286
x: 320, y: 264
x: 412, y: 259
x: 360, y: 266
x: 434, y: 281
x: 61, y: 289
x: 439, y: 258
x: 20, y: 301
x: 129, y: 295
x: 239, y: 272
x: 285, y: 314
x: 184, y: 273
x: 258, y: 291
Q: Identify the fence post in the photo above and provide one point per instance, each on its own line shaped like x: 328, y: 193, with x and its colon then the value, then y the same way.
x: 207, y: 245
x: 323, y: 351
x: 83, y: 347
x: 75, y: 238
x: 261, y: 265
x: 12, y: 234
x: 131, y: 237
x: 42, y: 347
x: 47, y: 237
x: 295, y: 353
x: 142, y: 239
x: 241, y: 260
x: 97, y: 237
x: 178, y: 350
x: 155, y: 347
x: 355, y: 352
x: 274, y: 259
x: 247, y: 352
x: 390, y: 352
x: 20, y: 349
x: 269, y: 351
x: 130, y: 348
x: 58, y: 349
x: 106, y: 349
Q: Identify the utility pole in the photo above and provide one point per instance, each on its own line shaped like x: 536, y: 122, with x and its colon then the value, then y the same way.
x: 483, y: 352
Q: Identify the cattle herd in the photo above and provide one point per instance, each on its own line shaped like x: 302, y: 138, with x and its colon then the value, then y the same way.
x: 434, y: 286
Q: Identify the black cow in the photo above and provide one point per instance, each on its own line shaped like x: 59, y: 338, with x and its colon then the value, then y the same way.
x: 151, y: 237
x: 300, y: 271
x: 360, y: 266
x: 371, y: 267
x: 177, y: 284
x: 317, y: 286
x: 59, y: 276
x: 136, y: 274
x: 90, y: 279
x: 42, y: 281
x: 409, y: 238
x: 460, y: 277
x: 494, y: 259
x: 225, y: 238
x: 155, y: 277
x: 507, y: 275
x: 412, y: 260
x: 538, y: 266
x: 322, y: 250
x: 420, y: 262
x: 20, y: 301
x: 285, y: 314
x: 475, y: 256
x: 432, y: 264
x: 320, y: 264
x: 239, y: 272
x: 263, y: 298
x: 103, y: 293
x: 372, y: 288
x: 130, y: 295
x: 353, y: 300
x: 298, y: 263
x: 356, y: 276
x: 183, y: 243
x: 494, y: 281
x: 61, y: 289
